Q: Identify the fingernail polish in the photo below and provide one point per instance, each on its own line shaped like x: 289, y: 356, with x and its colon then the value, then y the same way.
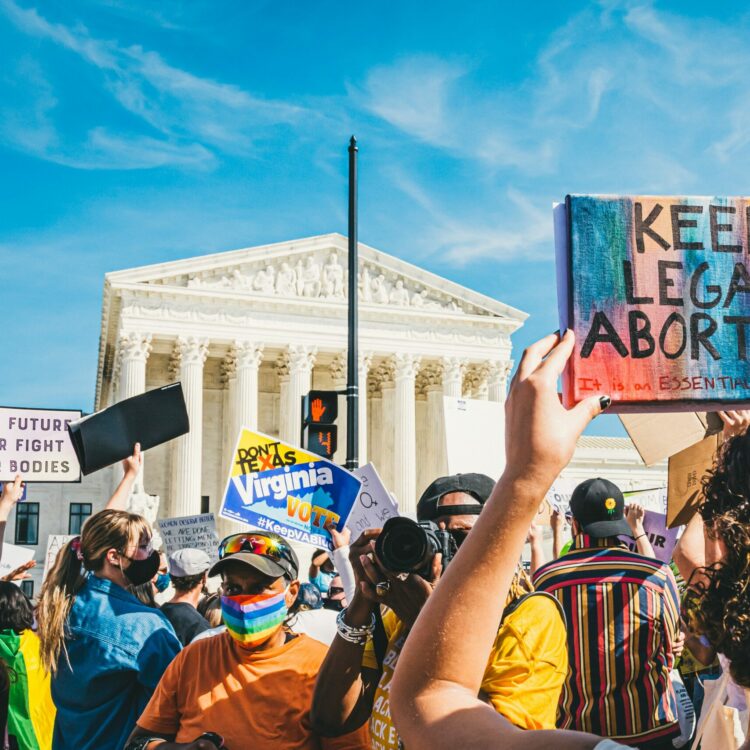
x: 604, y: 402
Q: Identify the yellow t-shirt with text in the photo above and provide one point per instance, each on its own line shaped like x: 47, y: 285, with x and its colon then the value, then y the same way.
x: 525, y: 672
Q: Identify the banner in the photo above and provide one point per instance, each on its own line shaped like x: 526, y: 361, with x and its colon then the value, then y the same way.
x: 277, y: 487
x: 194, y: 532
x: 35, y: 444
x: 374, y: 504
x: 656, y: 290
x: 55, y: 542
x: 465, y: 416
x: 13, y: 557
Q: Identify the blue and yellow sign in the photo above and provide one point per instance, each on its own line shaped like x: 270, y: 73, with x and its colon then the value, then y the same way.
x: 277, y: 487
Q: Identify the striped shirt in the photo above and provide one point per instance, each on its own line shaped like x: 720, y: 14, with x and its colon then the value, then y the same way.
x: 623, y: 615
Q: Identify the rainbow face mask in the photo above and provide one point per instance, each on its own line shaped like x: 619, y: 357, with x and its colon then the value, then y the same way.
x: 253, y: 618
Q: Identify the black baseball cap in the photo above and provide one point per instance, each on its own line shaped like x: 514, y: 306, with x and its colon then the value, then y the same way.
x: 264, y: 551
x: 599, y: 507
x: 479, y: 486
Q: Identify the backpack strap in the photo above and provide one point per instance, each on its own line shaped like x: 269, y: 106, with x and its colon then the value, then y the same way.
x: 514, y: 605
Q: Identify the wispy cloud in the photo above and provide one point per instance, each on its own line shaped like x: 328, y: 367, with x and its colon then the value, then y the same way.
x: 185, y: 119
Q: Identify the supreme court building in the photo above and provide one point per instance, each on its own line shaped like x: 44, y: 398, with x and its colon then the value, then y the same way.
x: 249, y: 332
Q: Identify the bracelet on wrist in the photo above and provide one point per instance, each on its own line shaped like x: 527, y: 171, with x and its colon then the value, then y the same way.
x: 636, y: 538
x: 358, y: 634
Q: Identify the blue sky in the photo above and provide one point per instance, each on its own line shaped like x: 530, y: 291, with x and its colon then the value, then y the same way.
x: 135, y: 132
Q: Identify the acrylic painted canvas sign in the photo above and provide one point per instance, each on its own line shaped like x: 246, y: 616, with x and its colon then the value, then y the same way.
x: 657, y: 292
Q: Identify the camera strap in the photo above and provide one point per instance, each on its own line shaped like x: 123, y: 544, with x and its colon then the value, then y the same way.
x: 379, y: 639
x: 458, y: 510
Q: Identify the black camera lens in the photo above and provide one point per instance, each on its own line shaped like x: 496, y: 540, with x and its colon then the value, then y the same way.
x: 404, y: 546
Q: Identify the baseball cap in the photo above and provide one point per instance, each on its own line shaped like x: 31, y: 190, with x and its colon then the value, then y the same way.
x: 479, y: 486
x: 264, y: 551
x: 599, y: 507
x: 188, y: 562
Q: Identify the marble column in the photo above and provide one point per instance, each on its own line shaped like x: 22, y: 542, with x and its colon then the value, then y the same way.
x: 365, y: 360
x: 386, y: 447
x: 134, y: 349
x: 192, y: 353
x: 338, y: 372
x: 248, y: 357
x: 453, y: 376
x: 478, y: 382
x: 282, y: 373
x: 301, y: 360
x: 404, y: 443
x: 497, y: 378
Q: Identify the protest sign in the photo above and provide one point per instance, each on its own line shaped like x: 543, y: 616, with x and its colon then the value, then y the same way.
x: 560, y: 493
x: 464, y: 417
x: 13, y: 557
x: 35, y: 444
x: 654, y: 500
x: 194, y: 532
x: 277, y: 487
x: 656, y: 291
x: 374, y: 505
x: 684, y: 484
x: 662, y: 539
x: 55, y: 542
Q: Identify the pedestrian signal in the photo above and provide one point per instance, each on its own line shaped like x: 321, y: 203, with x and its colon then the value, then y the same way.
x: 319, y: 431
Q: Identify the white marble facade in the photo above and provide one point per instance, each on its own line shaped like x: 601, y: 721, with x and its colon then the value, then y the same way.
x: 249, y: 332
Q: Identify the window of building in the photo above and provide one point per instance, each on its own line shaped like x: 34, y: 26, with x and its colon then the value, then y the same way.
x: 27, y: 523
x: 79, y: 512
x: 28, y: 588
x: 204, y: 503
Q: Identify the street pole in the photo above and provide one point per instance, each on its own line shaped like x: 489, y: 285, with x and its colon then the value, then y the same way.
x: 352, y: 377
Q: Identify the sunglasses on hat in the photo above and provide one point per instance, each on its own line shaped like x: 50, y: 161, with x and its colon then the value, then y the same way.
x: 256, y: 543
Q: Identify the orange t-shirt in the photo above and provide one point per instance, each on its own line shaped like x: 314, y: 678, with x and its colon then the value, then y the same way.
x: 258, y: 699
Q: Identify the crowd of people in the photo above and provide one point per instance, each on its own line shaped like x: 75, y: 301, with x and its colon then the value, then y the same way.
x: 127, y: 648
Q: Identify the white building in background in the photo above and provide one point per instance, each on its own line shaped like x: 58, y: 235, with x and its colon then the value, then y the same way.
x: 249, y: 332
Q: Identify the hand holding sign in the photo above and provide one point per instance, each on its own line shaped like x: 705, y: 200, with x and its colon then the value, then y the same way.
x: 735, y: 422
x: 20, y: 573
x: 339, y: 538
x: 133, y: 464
x: 12, y: 493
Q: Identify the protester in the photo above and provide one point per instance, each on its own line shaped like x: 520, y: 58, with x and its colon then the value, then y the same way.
x: 314, y: 615
x: 434, y: 696
x: 144, y: 593
x: 105, y: 650
x: 210, y: 607
x: 188, y: 573
x: 10, y: 495
x: 321, y: 570
x: 31, y: 713
x: 526, y: 666
x: 253, y: 683
x: 621, y: 604
x: 335, y: 599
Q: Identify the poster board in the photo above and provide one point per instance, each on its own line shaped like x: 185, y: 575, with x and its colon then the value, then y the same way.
x: 274, y: 486
x: 374, y: 504
x: 655, y: 289
x: 35, y: 444
x: 686, y: 471
x: 55, y: 542
x: 13, y: 557
x: 662, y: 538
x: 659, y: 436
x: 195, y: 532
x: 474, y: 436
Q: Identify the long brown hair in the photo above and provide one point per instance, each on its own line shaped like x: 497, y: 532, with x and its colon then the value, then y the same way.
x: 108, y: 529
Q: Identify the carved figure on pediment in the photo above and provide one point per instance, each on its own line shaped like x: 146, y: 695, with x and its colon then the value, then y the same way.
x: 263, y: 281
x: 239, y: 280
x: 311, y: 278
x: 299, y: 274
x: 365, y: 285
x: 194, y: 282
x: 453, y: 306
x: 333, y: 277
x: 286, y: 281
x: 399, y: 294
x: 379, y: 290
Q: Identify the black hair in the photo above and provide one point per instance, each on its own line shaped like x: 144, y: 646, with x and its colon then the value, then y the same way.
x: 16, y: 612
x: 308, y: 597
x: 186, y: 583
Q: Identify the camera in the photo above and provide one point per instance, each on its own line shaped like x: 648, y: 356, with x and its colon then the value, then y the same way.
x: 406, y: 546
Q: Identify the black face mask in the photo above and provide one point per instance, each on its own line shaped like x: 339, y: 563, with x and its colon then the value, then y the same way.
x: 140, y: 571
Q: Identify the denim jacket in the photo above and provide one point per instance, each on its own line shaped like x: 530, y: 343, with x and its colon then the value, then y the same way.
x: 118, y: 650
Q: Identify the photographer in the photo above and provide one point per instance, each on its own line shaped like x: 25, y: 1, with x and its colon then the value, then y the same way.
x: 525, y: 671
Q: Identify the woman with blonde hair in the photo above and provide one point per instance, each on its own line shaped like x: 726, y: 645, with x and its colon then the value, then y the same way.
x: 105, y: 650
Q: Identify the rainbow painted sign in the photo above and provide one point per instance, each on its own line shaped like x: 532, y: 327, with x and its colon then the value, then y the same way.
x: 657, y: 292
x: 277, y: 487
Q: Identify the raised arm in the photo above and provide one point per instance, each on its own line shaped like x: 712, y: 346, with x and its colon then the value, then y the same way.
x: 434, y: 695
x: 130, y: 467
x: 11, y: 494
x: 634, y: 515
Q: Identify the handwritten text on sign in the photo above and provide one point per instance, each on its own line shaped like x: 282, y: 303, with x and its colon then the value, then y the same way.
x: 191, y: 532
x: 374, y: 504
x: 659, y: 298
x: 35, y: 444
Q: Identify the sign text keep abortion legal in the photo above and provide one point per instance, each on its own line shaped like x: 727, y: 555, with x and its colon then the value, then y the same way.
x: 35, y: 444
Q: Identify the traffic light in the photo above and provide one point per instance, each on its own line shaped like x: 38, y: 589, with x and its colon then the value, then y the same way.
x: 319, y: 412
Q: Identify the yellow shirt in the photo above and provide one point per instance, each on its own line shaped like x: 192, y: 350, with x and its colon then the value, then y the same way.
x: 525, y: 672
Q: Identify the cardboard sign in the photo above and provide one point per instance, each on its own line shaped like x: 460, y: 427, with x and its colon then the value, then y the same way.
x: 686, y: 471
x: 13, y: 557
x: 659, y: 436
x: 374, y: 505
x: 55, y: 542
x: 560, y: 493
x: 464, y: 417
x: 656, y: 290
x: 193, y: 532
x: 662, y: 539
x: 35, y: 444
x: 277, y: 487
